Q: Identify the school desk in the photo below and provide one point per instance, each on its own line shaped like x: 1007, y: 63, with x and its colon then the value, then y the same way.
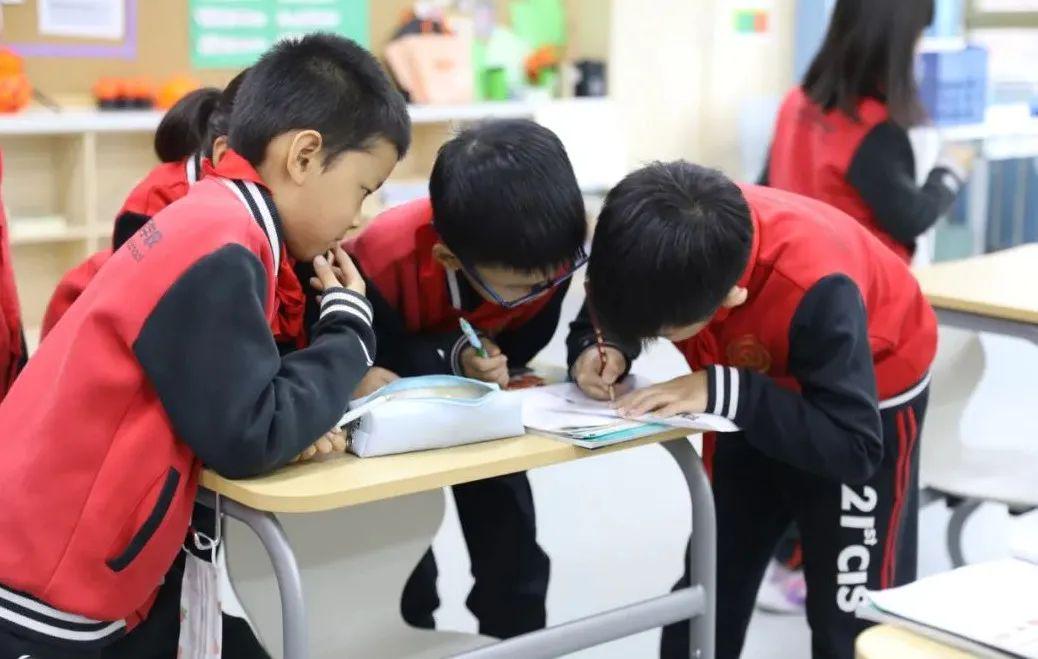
x: 888, y: 641
x: 998, y: 294
x: 991, y: 293
x: 348, y: 481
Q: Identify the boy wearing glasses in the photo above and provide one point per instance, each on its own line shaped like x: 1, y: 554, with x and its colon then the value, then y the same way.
x: 495, y: 243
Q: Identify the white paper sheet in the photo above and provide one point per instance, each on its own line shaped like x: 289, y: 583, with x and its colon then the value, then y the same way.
x: 92, y: 19
x: 991, y: 603
x: 564, y: 408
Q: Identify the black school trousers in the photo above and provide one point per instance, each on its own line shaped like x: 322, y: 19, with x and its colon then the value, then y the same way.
x: 853, y: 536
x: 509, y: 569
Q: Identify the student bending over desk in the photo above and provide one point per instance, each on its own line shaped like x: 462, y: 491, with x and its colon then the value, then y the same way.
x: 496, y: 242
x: 168, y: 361
x: 813, y: 338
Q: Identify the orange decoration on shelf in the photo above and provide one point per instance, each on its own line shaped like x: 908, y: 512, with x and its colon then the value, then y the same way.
x: 174, y: 89
x: 15, y: 88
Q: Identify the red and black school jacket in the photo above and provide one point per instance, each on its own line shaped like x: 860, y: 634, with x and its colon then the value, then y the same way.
x: 164, y: 365
x: 834, y: 323
x: 12, y: 341
x: 418, y: 302
x: 161, y: 187
x: 863, y: 166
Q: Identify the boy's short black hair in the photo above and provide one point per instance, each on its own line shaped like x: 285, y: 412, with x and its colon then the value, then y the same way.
x: 320, y: 82
x: 504, y: 194
x: 671, y: 241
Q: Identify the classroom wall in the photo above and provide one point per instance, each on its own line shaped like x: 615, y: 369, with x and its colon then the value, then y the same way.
x: 744, y: 76
x: 687, y: 84
x: 655, y: 76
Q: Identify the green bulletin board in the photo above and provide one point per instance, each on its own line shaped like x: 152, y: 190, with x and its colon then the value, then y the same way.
x: 228, y: 34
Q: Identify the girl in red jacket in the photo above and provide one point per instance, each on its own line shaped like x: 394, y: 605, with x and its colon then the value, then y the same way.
x: 12, y: 339
x: 841, y: 136
x: 189, y: 132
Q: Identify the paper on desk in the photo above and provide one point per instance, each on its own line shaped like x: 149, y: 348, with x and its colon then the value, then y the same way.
x: 564, y: 408
x: 992, y: 604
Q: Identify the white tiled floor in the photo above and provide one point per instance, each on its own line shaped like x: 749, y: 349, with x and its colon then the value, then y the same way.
x: 615, y: 527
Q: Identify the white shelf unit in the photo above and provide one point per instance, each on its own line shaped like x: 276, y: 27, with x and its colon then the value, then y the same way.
x: 38, y: 121
x: 65, y: 176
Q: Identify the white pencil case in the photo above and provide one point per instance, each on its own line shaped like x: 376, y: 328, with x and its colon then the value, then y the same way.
x: 433, y: 411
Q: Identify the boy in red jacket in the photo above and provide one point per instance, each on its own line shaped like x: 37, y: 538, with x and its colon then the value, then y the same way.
x: 809, y: 334
x: 495, y: 243
x: 168, y: 362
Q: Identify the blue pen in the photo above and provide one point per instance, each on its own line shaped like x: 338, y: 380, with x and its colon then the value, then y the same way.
x: 473, y: 338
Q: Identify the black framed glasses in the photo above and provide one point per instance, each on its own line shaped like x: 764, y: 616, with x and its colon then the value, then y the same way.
x: 579, y: 261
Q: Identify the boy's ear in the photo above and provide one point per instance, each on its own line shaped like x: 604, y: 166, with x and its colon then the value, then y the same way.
x: 219, y: 148
x: 445, y: 257
x: 304, y: 155
x: 736, y: 296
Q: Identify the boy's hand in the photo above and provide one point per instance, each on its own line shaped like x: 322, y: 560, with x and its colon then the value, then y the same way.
x: 492, y: 369
x: 337, y: 269
x: 684, y: 395
x: 333, y: 441
x: 375, y: 379
x: 594, y: 380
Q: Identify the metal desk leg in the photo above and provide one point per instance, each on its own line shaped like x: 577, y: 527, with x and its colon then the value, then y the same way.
x: 703, y: 558
x: 697, y: 602
x: 953, y: 537
x: 286, y: 570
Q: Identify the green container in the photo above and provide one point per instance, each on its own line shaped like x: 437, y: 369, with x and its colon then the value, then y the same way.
x: 495, y: 84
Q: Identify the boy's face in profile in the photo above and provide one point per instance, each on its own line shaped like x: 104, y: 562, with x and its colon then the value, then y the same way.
x: 507, y: 283
x: 319, y: 204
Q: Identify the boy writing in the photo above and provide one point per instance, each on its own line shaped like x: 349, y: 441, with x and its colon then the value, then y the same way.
x: 502, y: 231
x: 167, y: 361
x: 814, y: 339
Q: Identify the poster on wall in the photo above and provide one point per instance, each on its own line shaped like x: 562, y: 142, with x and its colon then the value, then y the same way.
x: 90, y: 19
x: 751, y: 19
x: 233, y: 33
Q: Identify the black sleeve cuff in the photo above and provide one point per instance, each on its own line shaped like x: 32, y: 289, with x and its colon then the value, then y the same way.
x: 455, y: 357
x: 948, y: 177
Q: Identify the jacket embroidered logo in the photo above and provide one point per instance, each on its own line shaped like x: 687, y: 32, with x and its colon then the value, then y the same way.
x: 748, y: 352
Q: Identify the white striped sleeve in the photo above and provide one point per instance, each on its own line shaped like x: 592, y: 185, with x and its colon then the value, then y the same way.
x: 341, y: 300
x: 723, y: 391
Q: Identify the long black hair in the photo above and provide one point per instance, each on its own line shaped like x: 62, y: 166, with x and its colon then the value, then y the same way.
x: 220, y: 116
x: 183, y: 129
x: 869, y: 51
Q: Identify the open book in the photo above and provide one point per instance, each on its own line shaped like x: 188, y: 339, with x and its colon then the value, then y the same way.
x: 988, y: 609
x: 563, y: 411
